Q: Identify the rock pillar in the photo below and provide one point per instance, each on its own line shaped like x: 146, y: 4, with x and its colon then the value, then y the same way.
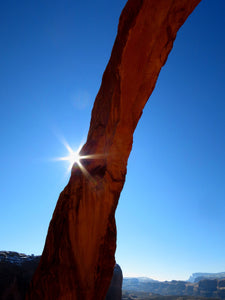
x: 78, y: 258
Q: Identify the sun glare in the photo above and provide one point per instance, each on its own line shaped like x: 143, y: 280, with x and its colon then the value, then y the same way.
x: 72, y: 157
x: 75, y: 157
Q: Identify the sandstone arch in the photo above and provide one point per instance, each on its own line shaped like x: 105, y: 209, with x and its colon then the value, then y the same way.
x: 78, y: 258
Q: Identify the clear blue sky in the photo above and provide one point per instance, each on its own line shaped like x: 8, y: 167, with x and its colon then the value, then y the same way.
x: 171, y: 214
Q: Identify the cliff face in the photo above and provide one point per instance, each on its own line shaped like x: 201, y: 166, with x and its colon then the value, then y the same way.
x: 78, y: 257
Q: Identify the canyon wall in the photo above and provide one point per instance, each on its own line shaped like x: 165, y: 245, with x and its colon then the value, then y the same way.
x: 78, y: 258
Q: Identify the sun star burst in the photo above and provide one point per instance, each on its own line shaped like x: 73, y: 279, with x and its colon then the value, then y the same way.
x: 74, y: 157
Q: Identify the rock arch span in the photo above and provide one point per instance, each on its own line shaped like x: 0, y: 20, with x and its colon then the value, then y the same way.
x: 78, y: 258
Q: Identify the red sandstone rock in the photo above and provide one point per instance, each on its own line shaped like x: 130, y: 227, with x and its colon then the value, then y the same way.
x: 78, y: 258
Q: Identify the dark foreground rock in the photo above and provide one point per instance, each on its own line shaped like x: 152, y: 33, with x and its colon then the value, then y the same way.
x: 17, y: 269
x: 115, y: 288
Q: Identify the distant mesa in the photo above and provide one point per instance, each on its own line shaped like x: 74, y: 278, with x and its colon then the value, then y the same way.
x: 209, y: 285
x: 196, y: 277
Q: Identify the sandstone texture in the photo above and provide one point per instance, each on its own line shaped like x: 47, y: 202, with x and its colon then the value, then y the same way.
x: 78, y: 257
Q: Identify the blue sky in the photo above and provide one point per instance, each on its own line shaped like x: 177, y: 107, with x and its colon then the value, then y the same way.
x: 170, y: 217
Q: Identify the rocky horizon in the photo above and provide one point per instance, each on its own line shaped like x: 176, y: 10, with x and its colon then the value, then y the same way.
x: 17, y: 269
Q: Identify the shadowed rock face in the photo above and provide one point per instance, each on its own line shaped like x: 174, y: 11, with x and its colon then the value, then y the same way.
x: 78, y: 258
x: 16, y: 271
x: 115, y: 288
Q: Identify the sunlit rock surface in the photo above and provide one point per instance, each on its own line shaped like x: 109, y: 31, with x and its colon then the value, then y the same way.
x: 78, y: 258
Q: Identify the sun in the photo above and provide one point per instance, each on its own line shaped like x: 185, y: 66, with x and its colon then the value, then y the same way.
x: 72, y: 157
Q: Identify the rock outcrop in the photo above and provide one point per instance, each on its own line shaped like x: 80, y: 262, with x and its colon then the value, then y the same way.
x: 115, y: 288
x: 78, y: 258
x: 16, y: 271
